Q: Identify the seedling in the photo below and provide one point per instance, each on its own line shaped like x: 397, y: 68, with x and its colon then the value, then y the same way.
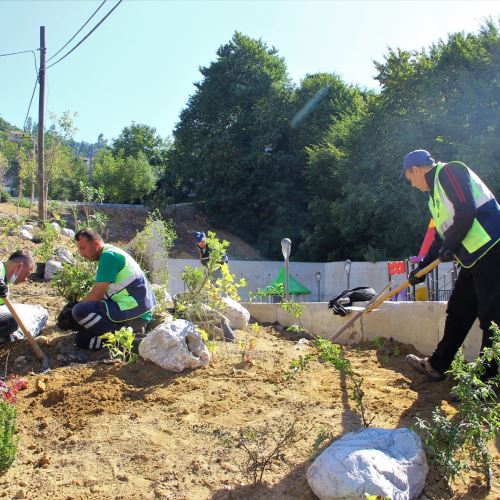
x: 120, y: 345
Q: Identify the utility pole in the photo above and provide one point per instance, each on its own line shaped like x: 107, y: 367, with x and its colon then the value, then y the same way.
x: 41, y: 127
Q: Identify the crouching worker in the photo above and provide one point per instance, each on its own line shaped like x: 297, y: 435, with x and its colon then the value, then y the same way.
x: 120, y: 297
x: 16, y: 270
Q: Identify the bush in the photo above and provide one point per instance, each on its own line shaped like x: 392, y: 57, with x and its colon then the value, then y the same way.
x: 74, y: 280
x: 8, y: 440
x: 5, y: 197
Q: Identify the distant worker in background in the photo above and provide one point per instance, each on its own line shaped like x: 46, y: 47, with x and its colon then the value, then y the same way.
x: 16, y: 270
x: 204, y: 251
x: 467, y: 218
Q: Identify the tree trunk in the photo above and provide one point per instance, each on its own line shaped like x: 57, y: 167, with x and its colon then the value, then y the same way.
x: 19, y: 195
x: 32, y: 196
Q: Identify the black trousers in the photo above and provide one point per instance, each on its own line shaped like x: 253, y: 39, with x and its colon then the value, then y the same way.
x: 476, y: 295
x: 8, y: 325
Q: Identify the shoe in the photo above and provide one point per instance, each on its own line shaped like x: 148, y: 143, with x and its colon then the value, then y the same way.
x: 422, y: 365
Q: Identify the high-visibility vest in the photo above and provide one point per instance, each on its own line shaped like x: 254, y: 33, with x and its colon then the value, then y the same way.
x: 130, y: 296
x: 484, y: 233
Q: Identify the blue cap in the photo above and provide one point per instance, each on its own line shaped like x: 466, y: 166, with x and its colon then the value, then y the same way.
x: 418, y: 158
x: 200, y: 236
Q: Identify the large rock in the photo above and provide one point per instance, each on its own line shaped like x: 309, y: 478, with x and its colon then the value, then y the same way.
x: 385, y: 462
x: 238, y: 316
x: 68, y: 232
x: 175, y: 346
x: 63, y: 255
x: 51, y: 268
x: 34, y: 318
x: 25, y: 235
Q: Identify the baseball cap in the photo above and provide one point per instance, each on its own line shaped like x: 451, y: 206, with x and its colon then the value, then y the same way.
x: 200, y: 236
x: 419, y: 158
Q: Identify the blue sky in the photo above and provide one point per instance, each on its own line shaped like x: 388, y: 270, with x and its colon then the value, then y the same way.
x: 141, y: 63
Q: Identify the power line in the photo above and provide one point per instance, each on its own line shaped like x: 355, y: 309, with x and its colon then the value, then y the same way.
x: 31, y: 101
x: 88, y: 20
x: 15, y: 53
x: 88, y: 34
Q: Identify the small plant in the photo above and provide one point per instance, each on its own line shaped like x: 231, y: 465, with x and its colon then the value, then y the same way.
x: 9, y: 387
x: 332, y: 354
x: 264, y: 447
x: 49, y: 238
x: 91, y: 218
x: 74, y: 280
x: 159, y: 233
x: 8, y: 439
x: 323, y: 435
x: 460, y: 443
x: 120, y: 345
x: 298, y: 365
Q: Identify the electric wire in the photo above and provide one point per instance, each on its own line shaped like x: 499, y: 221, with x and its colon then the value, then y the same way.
x: 15, y: 53
x: 72, y: 38
x: 88, y: 34
x: 31, y: 101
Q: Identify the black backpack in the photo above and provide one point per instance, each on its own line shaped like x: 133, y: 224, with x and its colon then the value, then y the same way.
x: 358, y: 294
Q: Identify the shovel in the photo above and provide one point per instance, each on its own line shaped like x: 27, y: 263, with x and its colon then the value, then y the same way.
x: 36, y: 348
x: 422, y: 272
x: 347, y: 324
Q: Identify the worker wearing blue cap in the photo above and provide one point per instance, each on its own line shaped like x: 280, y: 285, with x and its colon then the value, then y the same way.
x: 201, y: 243
x: 467, y: 218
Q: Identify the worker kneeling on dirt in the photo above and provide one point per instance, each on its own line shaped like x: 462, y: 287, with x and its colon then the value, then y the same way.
x: 467, y: 218
x: 16, y: 270
x: 121, y: 295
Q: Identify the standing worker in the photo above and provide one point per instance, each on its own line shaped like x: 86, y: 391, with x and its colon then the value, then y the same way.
x: 16, y: 270
x: 121, y: 295
x: 467, y: 218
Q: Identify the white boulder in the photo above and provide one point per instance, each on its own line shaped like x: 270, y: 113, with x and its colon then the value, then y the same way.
x: 56, y: 226
x: 34, y: 318
x: 238, y: 316
x: 51, y: 268
x: 28, y: 227
x: 175, y: 346
x: 24, y: 234
x: 68, y: 232
x: 386, y: 462
x: 63, y: 255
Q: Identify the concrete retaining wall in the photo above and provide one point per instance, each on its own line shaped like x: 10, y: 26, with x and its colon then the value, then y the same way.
x: 420, y: 324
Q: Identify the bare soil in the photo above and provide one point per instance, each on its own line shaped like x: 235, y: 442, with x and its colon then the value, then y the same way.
x: 105, y: 430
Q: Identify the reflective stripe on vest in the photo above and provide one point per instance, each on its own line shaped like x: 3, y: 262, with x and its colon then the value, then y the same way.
x: 2, y: 277
x: 130, y: 296
x: 485, y: 230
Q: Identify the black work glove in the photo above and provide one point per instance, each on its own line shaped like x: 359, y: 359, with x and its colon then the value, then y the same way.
x: 4, y: 289
x: 412, y: 278
x: 445, y: 254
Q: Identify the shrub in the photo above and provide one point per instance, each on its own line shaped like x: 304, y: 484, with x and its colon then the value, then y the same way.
x: 74, y: 280
x: 461, y: 442
x: 8, y: 440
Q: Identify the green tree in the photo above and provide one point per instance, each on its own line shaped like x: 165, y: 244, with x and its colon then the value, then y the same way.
x: 138, y: 138
x: 124, y: 180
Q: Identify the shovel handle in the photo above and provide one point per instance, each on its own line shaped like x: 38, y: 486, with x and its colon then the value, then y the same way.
x: 27, y: 333
x: 404, y: 285
x: 348, y: 323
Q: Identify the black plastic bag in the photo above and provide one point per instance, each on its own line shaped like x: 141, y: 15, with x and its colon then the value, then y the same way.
x: 358, y: 294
